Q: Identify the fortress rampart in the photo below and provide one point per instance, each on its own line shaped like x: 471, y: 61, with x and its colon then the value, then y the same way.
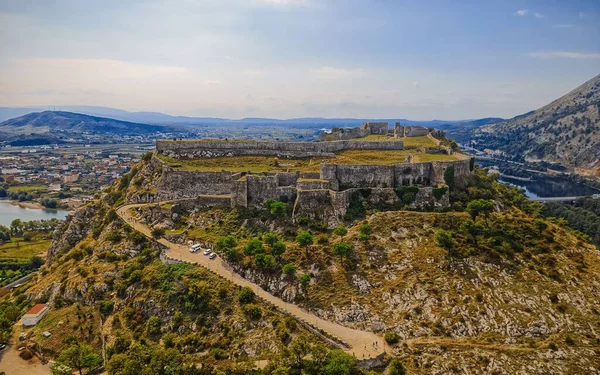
x: 379, y: 128
x: 218, y: 148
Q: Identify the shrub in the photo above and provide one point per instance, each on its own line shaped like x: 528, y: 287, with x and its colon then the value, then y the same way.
x: 305, y: 280
x: 27, y: 236
x: 408, y: 198
x: 444, y: 239
x: 340, y: 230
x: 252, y: 311
x: 396, y: 367
x: 265, y: 261
x: 158, y: 232
x: 366, y: 229
x: 270, y: 238
x: 226, y: 243
x: 438, y: 193
x: 246, y: 295
x: 106, y: 307
x: 114, y: 236
x: 449, y: 177
x: 479, y: 206
x: 276, y: 208
x: 153, y: 325
x: 342, y: 249
x: 363, y: 237
x: 218, y: 353
x: 278, y: 248
x: 147, y: 156
x: 253, y: 247
x: 289, y: 269
x: 391, y: 338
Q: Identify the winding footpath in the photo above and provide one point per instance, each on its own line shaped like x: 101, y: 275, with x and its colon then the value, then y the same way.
x: 359, y: 343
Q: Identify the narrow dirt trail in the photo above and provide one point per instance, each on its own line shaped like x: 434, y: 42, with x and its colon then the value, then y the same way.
x: 361, y: 343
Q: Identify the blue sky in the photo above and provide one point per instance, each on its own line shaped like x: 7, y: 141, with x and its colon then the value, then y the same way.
x: 294, y: 58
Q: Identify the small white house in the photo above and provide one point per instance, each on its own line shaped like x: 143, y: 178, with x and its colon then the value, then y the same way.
x: 33, y: 316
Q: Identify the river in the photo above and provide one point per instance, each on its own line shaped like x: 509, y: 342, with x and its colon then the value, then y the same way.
x: 8, y: 213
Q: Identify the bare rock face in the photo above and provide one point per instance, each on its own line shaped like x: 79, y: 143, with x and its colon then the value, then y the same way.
x: 74, y: 229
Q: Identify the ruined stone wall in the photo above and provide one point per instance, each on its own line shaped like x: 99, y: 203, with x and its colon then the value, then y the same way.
x: 239, y: 193
x: 260, y: 188
x: 203, y: 201
x: 380, y: 128
x: 340, y: 134
x: 286, y: 194
x: 406, y: 174
x: 426, y: 199
x: 312, y: 203
x: 287, y: 178
x: 415, y: 131
x: 462, y: 169
x: 312, y: 184
x: 208, y: 149
x: 358, y: 175
x: 190, y: 184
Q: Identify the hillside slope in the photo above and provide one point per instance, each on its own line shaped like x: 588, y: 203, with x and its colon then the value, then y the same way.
x: 565, y: 131
x: 68, y: 122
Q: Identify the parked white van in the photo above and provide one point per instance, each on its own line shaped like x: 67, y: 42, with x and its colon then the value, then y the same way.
x: 195, y: 248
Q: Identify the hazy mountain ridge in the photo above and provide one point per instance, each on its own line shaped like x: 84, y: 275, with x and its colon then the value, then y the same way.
x: 564, y: 131
x: 50, y: 121
x: 165, y: 119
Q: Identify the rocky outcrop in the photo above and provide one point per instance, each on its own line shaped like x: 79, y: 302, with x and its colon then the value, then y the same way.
x: 75, y: 227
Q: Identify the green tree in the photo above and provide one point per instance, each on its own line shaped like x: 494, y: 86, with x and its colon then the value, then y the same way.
x: 158, y: 232
x: 449, y: 177
x: 342, y: 249
x: 265, y: 261
x: 391, y: 337
x: 278, y: 248
x: 444, y: 239
x: 480, y: 206
x: 305, y: 280
x: 270, y: 238
x: 226, y: 243
x: 27, y: 236
x: 253, y: 247
x: 366, y: 229
x: 246, y: 295
x: 340, y: 231
x: 299, y: 348
x: 396, y: 367
x: 305, y: 239
x: 275, y: 207
x: 80, y: 357
x: 340, y: 363
x: 472, y: 228
x: 153, y: 325
x: 289, y: 269
x: 541, y: 225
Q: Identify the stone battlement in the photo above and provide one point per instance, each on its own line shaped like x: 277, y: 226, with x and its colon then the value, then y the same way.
x: 379, y: 128
x: 325, y: 193
x: 219, y: 148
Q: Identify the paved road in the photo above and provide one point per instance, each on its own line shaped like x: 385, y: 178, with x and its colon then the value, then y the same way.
x: 557, y: 199
x: 360, y: 342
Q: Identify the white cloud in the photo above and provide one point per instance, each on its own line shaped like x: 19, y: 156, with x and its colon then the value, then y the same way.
x: 416, y: 84
x: 328, y: 72
x: 565, y: 55
x: 521, y: 12
x: 538, y: 15
x: 212, y: 82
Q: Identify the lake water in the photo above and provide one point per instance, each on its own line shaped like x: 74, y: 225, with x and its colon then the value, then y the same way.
x: 8, y: 213
x: 550, y: 187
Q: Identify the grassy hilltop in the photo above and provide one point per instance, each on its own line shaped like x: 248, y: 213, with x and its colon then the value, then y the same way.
x: 488, y: 285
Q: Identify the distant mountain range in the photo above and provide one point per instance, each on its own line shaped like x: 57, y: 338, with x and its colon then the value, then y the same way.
x: 49, y: 126
x: 564, y: 132
x: 157, y: 118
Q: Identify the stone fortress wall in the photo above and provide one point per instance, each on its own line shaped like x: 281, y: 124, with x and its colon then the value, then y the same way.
x: 379, y: 128
x: 323, y: 194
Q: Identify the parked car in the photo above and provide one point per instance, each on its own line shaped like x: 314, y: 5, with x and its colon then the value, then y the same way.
x: 2, y: 346
x: 195, y: 248
x: 213, y: 256
x: 207, y: 251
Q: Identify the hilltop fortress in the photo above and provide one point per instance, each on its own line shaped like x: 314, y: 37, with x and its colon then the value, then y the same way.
x: 328, y: 187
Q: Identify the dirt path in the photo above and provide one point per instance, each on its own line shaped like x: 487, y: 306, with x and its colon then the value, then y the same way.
x: 11, y: 363
x: 360, y: 342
